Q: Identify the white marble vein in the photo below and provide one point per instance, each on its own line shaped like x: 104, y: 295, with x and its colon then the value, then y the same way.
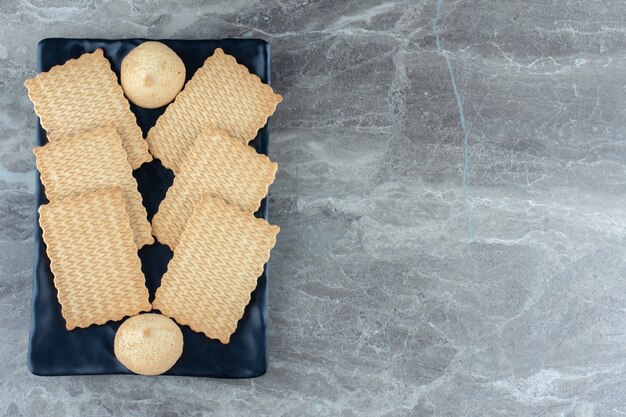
x: 459, y: 103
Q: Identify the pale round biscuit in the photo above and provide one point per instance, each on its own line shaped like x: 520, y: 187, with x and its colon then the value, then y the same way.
x: 152, y: 75
x: 148, y: 344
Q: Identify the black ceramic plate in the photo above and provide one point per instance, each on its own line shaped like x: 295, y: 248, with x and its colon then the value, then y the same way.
x: 55, y: 351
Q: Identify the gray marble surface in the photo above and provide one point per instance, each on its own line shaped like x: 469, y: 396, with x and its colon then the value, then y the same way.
x: 451, y: 194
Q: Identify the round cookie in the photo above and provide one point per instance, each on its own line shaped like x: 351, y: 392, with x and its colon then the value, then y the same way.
x: 152, y: 75
x: 148, y: 344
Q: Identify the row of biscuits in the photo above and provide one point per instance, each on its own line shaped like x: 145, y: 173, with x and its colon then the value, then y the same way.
x: 207, y: 217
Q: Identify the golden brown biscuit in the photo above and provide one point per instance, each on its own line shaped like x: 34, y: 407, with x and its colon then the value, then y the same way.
x: 148, y: 344
x: 83, y: 94
x: 152, y: 75
x: 215, y: 268
x: 218, y: 165
x: 93, y: 258
x: 90, y: 161
x: 222, y: 93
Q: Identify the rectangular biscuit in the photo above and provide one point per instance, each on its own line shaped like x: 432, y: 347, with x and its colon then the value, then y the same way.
x: 222, y: 93
x: 93, y: 258
x: 82, y: 94
x: 215, y: 268
x: 90, y: 161
x: 217, y: 165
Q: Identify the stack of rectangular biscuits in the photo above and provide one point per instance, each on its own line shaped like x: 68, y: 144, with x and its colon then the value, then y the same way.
x: 207, y: 216
x: 95, y: 222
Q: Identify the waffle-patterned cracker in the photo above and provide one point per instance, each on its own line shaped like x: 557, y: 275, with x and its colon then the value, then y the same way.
x: 218, y: 165
x: 215, y: 268
x: 90, y: 161
x: 82, y: 94
x: 222, y: 93
x: 93, y: 258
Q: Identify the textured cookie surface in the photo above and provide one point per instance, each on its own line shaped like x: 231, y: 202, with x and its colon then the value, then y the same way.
x: 90, y: 161
x: 148, y: 344
x: 152, y: 74
x: 82, y: 94
x: 215, y: 268
x: 221, y: 93
x: 217, y: 165
x: 93, y: 258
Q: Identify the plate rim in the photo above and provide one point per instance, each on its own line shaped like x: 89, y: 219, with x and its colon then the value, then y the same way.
x: 40, y: 198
